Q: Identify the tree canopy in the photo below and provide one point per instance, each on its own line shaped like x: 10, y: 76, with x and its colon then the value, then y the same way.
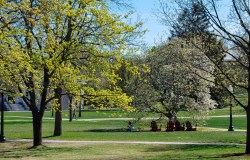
x: 50, y: 44
x: 173, y: 82
x: 230, y: 58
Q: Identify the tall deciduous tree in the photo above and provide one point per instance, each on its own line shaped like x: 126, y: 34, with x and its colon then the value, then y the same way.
x: 50, y: 46
x: 235, y: 32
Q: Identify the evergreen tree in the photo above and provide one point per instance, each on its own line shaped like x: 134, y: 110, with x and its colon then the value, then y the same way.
x: 191, y: 22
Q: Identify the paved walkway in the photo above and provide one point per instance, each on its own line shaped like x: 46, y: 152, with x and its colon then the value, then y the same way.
x: 219, y: 129
x: 130, y: 142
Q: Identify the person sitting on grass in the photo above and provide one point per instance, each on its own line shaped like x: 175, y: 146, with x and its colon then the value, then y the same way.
x: 154, y: 126
x: 170, y: 126
x: 130, y: 126
x: 178, y: 126
x: 188, y: 126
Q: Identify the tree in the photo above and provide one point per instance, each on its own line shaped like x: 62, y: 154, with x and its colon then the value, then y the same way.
x: 171, y: 86
x: 235, y: 33
x: 238, y: 49
x: 192, y: 22
x: 47, y: 47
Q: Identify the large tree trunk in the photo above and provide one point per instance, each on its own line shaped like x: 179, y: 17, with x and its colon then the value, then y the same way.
x: 248, y: 117
x: 58, y: 113
x: 70, y: 114
x: 248, y: 131
x: 37, y: 130
x: 58, y: 123
x: 248, y: 111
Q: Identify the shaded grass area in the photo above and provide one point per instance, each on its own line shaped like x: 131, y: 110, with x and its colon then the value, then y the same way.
x: 51, y: 151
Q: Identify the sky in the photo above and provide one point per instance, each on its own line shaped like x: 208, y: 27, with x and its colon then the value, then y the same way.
x: 145, y: 11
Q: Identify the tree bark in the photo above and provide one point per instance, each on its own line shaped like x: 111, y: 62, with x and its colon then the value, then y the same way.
x: 58, y: 123
x: 80, y: 109
x: 248, y: 132
x: 37, y: 129
x: 70, y: 108
x: 248, y: 114
x: 70, y: 114
x: 58, y: 113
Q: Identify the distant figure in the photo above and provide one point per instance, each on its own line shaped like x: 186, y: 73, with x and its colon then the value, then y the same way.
x: 188, y: 126
x: 170, y: 126
x: 178, y: 126
x: 130, y: 126
x: 154, y: 126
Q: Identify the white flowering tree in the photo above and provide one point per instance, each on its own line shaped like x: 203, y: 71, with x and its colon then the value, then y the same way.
x: 173, y: 83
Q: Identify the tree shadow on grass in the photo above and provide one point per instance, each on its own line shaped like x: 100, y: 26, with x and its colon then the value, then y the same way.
x: 236, y: 155
x: 49, y: 136
x: 200, y: 150
x: 109, y: 130
x: 18, y: 122
x: 20, y: 152
x: 113, y: 130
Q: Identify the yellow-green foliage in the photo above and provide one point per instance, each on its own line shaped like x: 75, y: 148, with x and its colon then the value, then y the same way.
x: 64, y: 43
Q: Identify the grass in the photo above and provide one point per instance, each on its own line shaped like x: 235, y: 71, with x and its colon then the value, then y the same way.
x: 116, y: 151
x: 116, y: 130
x: 17, y: 125
x: 238, y: 122
x: 237, y: 110
x: 79, y: 151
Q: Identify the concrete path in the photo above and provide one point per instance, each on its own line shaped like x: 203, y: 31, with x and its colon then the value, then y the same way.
x: 219, y: 129
x: 129, y: 142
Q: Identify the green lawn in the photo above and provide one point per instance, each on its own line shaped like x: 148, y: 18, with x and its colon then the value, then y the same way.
x: 116, y: 129
x: 237, y: 110
x: 78, y: 151
x: 19, y: 125
x: 238, y: 122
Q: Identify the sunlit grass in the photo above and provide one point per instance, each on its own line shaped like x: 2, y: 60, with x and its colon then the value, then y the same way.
x: 51, y: 151
x: 19, y: 125
x: 117, y: 130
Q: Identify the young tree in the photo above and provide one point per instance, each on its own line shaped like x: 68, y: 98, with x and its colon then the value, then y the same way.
x: 48, y: 46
